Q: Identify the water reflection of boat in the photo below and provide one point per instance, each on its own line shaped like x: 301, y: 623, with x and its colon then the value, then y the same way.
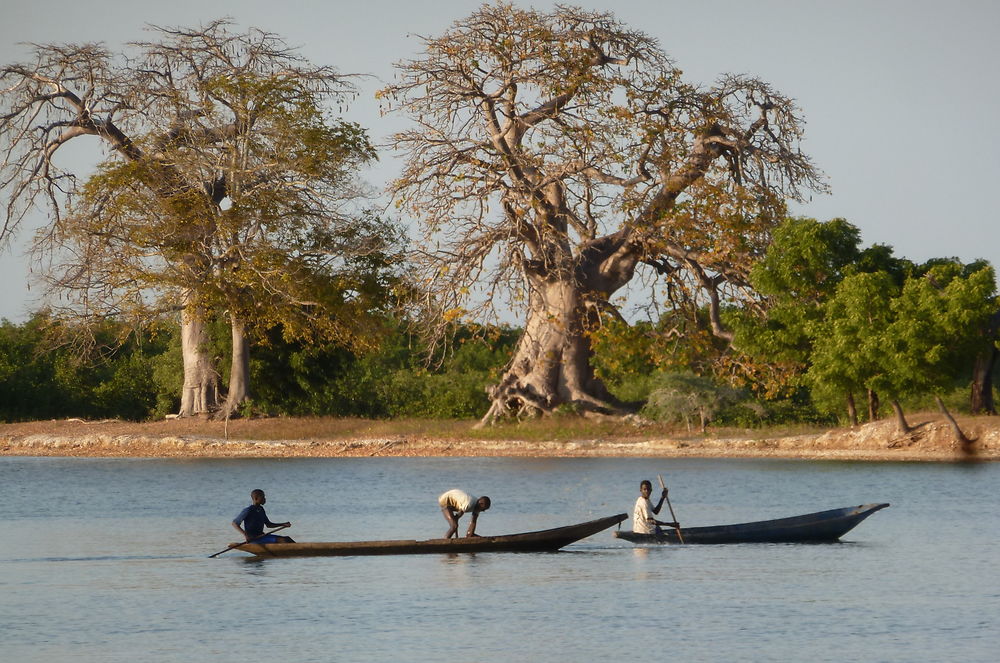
x: 811, y: 527
x: 548, y: 540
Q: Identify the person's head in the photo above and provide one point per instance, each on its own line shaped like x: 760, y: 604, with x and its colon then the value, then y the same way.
x: 257, y: 495
x: 483, y: 503
x: 645, y: 488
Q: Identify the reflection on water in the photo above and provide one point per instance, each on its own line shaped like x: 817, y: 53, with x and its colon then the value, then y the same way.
x: 110, y: 563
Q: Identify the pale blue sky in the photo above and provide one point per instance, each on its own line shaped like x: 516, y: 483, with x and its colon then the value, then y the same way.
x: 900, y: 96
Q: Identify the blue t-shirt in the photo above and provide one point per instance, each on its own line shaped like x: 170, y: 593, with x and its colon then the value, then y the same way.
x: 253, y: 518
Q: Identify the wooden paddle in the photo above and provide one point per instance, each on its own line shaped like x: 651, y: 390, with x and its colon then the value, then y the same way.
x: 237, y: 545
x: 672, y: 516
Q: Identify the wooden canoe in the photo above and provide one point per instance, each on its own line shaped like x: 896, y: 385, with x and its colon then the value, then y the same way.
x: 548, y: 540
x: 811, y: 527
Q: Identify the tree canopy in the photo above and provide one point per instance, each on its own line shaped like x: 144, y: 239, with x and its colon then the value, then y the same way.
x: 554, y: 153
x: 843, y: 321
x: 229, y: 188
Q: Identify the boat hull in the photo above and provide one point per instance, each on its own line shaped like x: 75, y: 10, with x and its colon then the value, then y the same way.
x: 548, y: 540
x: 812, y: 527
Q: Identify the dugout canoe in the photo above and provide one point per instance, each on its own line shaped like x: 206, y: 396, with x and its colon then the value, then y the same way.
x: 548, y: 540
x: 822, y: 526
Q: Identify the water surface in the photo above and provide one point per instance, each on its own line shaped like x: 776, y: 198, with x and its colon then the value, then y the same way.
x: 106, y: 560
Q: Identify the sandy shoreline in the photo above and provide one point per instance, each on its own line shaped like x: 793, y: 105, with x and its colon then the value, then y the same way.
x: 933, y: 441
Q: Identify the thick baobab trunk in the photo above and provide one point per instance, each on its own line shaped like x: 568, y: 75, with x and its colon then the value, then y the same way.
x: 239, y: 372
x: 551, y: 363
x: 200, y: 394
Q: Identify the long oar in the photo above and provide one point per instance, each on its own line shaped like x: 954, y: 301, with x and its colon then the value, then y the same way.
x: 237, y: 545
x: 672, y: 516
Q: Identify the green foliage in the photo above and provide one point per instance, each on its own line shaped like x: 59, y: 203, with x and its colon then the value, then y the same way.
x: 128, y: 392
x: 142, y: 380
x: 806, y: 259
x: 167, y: 378
x: 26, y: 375
x: 801, y: 269
x: 392, y: 380
x: 756, y: 413
x: 879, y: 258
x: 39, y: 381
x: 842, y: 321
x: 906, y: 340
x: 849, y: 354
x: 627, y: 356
x: 940, y: 322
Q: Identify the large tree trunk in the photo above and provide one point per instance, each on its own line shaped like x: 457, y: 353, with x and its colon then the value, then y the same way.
x: 873, y: 405
x: 963, y: 440
x: 551, y: 363
x: 901, y: 423
x: 239, y: 372
x: 982, y: 383
x: 982, y: 371
x: 852, y: 409
x: 200, y: 394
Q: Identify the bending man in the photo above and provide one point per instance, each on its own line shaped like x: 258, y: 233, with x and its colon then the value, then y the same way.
x: 456, y: 503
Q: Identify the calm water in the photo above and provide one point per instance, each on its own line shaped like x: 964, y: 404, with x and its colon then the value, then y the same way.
x: 107, y: 560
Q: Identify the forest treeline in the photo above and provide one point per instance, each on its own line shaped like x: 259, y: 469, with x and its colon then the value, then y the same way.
x: 845, y: 327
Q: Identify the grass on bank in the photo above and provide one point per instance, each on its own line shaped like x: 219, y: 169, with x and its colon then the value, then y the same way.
x: 559, y: 428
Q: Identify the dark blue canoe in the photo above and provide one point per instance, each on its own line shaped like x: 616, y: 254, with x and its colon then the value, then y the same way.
x: 811, y: 527
x: 548, y: 540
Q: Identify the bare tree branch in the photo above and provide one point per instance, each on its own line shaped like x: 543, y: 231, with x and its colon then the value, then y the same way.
x: 556, y: 153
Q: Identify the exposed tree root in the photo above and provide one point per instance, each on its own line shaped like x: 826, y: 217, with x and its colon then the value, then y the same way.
x: 512, y: 400
x: 965, y: 443
x: 901, y: 423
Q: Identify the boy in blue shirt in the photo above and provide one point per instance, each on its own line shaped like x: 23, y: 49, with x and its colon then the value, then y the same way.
x: 253, y: 520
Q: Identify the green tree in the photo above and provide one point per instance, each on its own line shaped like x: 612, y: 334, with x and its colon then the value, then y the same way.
x: 26, y: 374
x: 937, y: 329
x: 40, y: 380
x: 228, y: 189
x: 848, y: 353
x: 392, y: 380
x: 801, y: 270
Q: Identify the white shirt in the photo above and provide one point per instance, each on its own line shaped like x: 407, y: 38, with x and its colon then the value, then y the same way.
x: 458, y: 499
x: 643, y: 521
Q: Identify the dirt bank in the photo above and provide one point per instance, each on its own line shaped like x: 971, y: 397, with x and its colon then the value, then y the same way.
x: 932, y: 441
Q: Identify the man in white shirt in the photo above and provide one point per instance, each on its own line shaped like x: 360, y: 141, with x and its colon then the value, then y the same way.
x: 643, y: 521
x: 455, y: 503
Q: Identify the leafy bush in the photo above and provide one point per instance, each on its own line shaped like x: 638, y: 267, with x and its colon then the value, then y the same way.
x: 42, y: 381
x: 683, y: 397
x: 292, y: 379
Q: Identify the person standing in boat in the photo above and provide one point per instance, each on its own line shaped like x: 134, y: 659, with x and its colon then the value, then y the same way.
x: 251, y: 521
x: 455, y: 503
x: 643, y: 521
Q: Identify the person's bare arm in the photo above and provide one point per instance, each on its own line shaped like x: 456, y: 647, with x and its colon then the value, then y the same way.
x: 659, y: 505
x: 472, y: 524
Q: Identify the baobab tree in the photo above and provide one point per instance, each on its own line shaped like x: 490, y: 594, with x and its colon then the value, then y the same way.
x: 227, y: 188
x: 556, y: 153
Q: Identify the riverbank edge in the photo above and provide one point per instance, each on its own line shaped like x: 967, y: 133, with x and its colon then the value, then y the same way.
x: 878, y: 441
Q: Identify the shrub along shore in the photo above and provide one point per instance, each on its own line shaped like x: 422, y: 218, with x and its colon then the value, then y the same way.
x: 932, y: 440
